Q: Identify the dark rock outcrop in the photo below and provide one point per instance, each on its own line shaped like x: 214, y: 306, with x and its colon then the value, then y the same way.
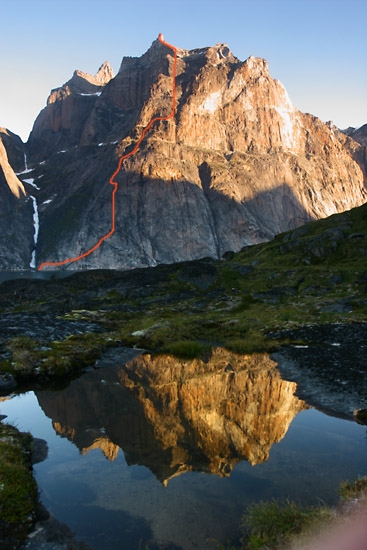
x: 329, y: 367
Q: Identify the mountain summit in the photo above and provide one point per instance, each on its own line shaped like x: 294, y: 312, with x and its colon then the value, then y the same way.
x: 234, y: 166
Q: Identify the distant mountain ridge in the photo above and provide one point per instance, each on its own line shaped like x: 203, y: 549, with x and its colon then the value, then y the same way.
x: 358, y: 134
x: 237, y: 164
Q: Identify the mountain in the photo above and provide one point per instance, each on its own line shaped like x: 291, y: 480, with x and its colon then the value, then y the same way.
x: 233, y: 165
x: 60, y: 124
x: 358, y: 134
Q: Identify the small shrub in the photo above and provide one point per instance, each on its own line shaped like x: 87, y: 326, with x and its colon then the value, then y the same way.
x: 252, y: 342
x: 185, y: 349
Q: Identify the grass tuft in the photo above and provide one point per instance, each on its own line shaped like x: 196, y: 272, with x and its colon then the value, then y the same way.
x: 274, y: 524
x: 355, y: 489
x: 185, y: 349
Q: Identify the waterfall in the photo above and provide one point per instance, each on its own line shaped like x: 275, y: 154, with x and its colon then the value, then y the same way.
x: 36, y: 224
x: 25, y: 162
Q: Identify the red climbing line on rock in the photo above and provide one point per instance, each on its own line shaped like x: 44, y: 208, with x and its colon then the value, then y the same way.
x: 119, y: 166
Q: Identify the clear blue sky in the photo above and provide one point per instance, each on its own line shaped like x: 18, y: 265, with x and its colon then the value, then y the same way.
x: 316, y: 48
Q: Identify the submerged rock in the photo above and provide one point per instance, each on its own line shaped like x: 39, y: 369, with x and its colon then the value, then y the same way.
x: 7, y: 382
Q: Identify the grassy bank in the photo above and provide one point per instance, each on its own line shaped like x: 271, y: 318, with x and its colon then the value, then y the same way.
x: 18, y: 489
x: 277, y: 525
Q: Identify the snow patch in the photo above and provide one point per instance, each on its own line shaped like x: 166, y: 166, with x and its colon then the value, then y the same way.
x: 47, y: 202
x: 95, y: 94
x: 24, y: 172
x: 30, y: 181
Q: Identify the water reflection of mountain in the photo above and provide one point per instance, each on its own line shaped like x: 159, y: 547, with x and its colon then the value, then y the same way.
x: 174, y: 416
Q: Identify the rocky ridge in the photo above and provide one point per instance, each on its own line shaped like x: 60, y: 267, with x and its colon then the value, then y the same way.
x: 358, y: 134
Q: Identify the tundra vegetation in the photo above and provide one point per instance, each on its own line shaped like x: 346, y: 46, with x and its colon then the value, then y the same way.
x: 315, y: 274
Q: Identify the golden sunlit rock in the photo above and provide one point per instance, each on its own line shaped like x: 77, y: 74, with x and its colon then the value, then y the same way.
x: 175, y: 416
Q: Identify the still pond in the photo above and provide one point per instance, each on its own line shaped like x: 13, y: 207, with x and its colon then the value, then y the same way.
x: 150, y: 451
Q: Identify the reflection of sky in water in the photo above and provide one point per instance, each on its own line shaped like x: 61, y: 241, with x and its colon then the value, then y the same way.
x: 111, y: 505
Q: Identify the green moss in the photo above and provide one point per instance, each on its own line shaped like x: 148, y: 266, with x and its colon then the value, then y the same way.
x: 6, y: 366
x: 18, y: 490
x: 114, y: 296
x: 29, y: 358
x: 72, y: 354
x: 23, y: 355
x: 230, y: 278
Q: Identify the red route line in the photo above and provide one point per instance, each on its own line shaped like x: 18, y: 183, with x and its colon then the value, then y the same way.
x: 119, y: 165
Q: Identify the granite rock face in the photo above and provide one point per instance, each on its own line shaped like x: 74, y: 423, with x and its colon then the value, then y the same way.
x: 358, y: 134
x: 16, y: 223
x: 236, y: 165
x: 60, y: 124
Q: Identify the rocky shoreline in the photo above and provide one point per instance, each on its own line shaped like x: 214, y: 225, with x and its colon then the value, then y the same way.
x: 24, y: 522
x: 329, y: 367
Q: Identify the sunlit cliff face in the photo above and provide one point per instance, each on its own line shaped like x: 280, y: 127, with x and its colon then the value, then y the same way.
x: 175, y: 416
x: 14, y: 184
